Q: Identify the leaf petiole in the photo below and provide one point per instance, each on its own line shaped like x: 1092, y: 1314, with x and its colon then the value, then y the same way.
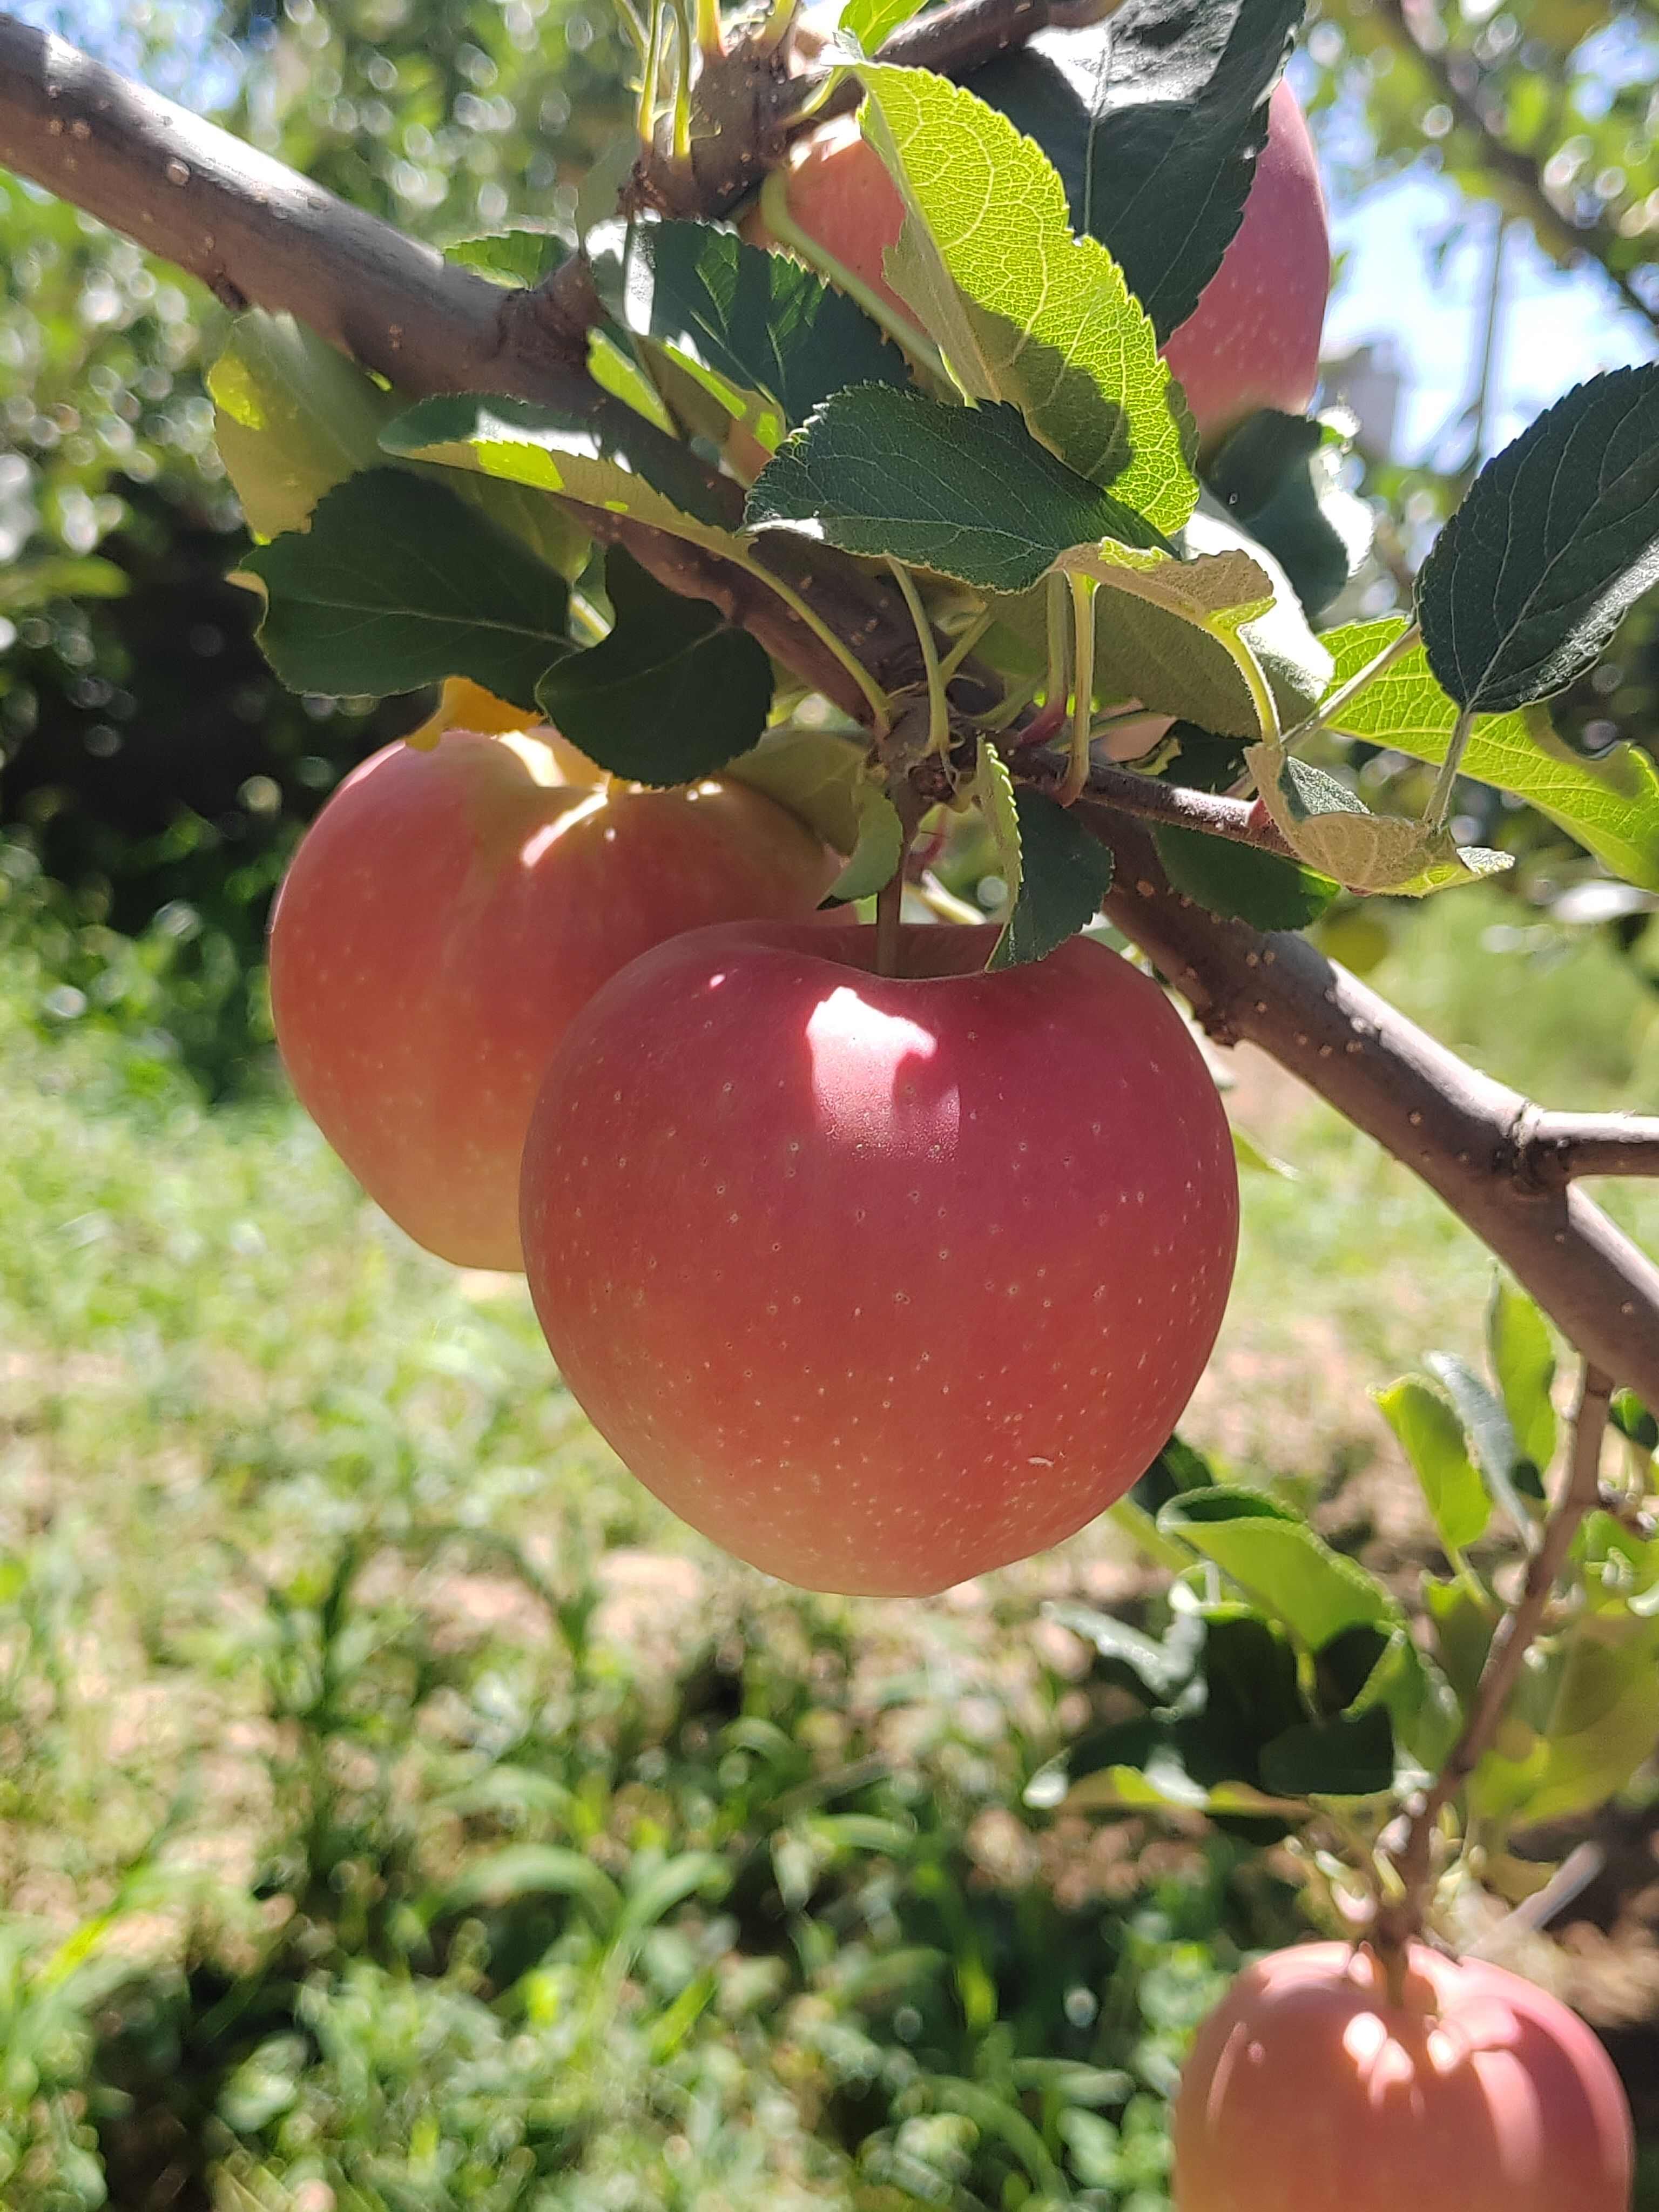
x: 1396, y: 649
x: 939, y: 716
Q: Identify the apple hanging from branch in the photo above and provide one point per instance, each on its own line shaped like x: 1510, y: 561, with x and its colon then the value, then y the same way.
x: 1313, y: 2085
x: 880, y: 1281
x: 449, y: 913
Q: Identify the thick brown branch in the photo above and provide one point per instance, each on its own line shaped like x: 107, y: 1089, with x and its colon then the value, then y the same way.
x: 1553, y: 1149
x: 1455, y: 78
x: 259, y: 235
x: 1451, y: 1125
x: 1513, y: 1637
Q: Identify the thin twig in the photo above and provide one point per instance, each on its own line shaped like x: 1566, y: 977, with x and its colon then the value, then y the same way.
x: 1551, y: 1149
x: 1515, y: 1636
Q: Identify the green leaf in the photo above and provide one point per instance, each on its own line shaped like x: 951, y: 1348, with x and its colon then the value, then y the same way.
x: 1280, y: 1561
x: 620, y: 463
x: 1064, y: 873
x: 1524, y: 1360
x: 1432, y: 1437
x: 1335, y: 831
x: 870, y: 21
x: 1351, y: 1755
x: 1462, y: 1631
x: 1601, y: 1727
x: 1196, y: 641
x: 1488, y: 1423
x: 879, y: 848
x: 759, y: 319
x: 1557, y: 537
x: 1155, y: 1670
x: 1632, y: 1421
x: 1154, y: 118
x: 811, y: 773
x: 966, y: 491
x: 1611, y: 806
x: 293, y: 418
x: 1277, y: 475
x: 398, y: 583
x: 1241, y: 882
x: 518, y: 257
x: 672, y: 694
x: 1024, y: 310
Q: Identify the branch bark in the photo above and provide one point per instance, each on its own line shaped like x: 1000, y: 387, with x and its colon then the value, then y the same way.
x: 1457, y: 1129
x: 258, y: 234
x: 1553, y: 1149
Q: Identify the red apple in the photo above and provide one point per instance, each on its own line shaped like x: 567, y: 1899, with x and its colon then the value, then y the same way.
x: 880, y: 1282
x: 447, y: 915
x: 1308, y: 2090
x: 1251, y: 342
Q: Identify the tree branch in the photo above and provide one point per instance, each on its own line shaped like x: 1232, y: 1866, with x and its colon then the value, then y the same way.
x: 1452, y: 1125
x: 259, y: 234
x: 1456, y: 77
x: 1514, y: 1636
x: 1553, y: 1149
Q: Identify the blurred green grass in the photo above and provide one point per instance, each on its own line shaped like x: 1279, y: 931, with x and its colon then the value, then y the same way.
x: 399, y: 1810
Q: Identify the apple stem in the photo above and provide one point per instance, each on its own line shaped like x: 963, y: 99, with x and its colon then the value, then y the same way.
x: 889, y: 908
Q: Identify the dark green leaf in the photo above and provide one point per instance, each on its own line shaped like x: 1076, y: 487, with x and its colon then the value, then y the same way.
x: 1154, y: 119
x: 1347, y: 1756
x: 520, y: 256
x: 1632, y: 1418
x: 1177, y: 1468
x: 759, y: 319
x: 1558, y: 537
x: 1064, y: 873
x: 399, y: 582
x: 1275, y: 475
x: 967, y: 491
x: 672, y: 694
x: 1241, y: 882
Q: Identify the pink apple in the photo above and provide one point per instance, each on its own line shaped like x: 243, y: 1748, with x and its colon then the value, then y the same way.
x: 880, y: 1282
x: 1309, y: 2090
x: 449, y: 913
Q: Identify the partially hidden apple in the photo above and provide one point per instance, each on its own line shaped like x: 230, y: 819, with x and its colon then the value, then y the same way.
x: 880, y: 1281
x: 1309, y: 2090
x: 1251, y: 342
x: 447, y: 915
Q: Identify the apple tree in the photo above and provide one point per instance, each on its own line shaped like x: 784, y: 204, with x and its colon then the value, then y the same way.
x: 913, y: 459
